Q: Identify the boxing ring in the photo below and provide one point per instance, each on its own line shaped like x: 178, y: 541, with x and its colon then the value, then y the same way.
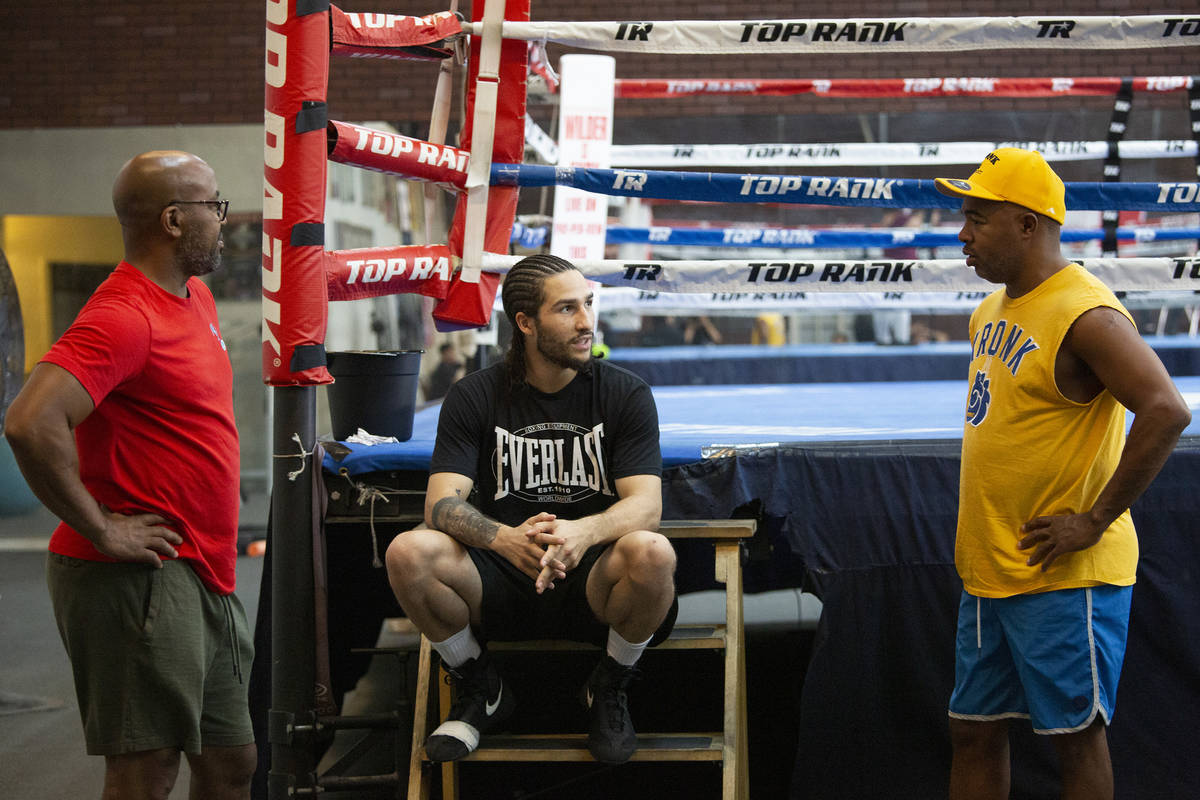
x: 855, y: 487
x: 856, y: 496
x: 837, y: 363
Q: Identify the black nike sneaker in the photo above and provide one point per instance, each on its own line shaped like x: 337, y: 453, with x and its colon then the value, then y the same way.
x: 611, y: 738
x: 483, y: 703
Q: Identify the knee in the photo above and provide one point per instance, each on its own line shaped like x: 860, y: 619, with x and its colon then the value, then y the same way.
x: 978, y: 736
x: 236, y: 768
x: 242, y: 764
x: 149, y: 774
x: 650, y: 556
x: 412, y: 552
x: 1084, y: 745
x: 224, y: 771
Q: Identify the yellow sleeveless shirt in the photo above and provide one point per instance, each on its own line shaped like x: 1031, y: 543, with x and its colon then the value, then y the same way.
x: 1028, y: 451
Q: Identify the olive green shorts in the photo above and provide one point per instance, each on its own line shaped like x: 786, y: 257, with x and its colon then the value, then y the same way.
x: 159, y: 660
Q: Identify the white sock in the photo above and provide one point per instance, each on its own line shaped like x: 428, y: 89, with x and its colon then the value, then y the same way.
x: 624, y: 653
x: 459, y: 648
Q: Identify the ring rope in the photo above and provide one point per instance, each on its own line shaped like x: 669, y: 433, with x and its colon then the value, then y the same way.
x: 882, y: 153
x: 837, y: 191
x: 842, y: 36
x: 893, y: 237
x: 664, y: 88
x: 533, y: 237
x: 855, y: 275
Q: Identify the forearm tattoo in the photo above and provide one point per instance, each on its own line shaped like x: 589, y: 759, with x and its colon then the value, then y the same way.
x: 460, y: 519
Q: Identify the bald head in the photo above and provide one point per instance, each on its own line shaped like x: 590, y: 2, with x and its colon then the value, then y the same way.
x: 171, y: 221
x: 150, y: 181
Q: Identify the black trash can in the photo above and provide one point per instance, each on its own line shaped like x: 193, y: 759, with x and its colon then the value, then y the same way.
x: 373, y: 390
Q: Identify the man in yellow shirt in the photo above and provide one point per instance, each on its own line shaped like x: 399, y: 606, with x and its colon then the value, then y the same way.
x: 1046, y: 548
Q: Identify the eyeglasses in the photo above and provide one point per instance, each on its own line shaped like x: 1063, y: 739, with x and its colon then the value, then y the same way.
x: 220, y: 206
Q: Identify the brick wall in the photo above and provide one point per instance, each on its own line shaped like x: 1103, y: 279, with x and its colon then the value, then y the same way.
x: 131, y: 62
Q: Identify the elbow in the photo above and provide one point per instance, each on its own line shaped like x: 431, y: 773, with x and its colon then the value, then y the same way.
x: 1175, y: 414
x: 654, y: 515
x: 19, y: 427
x: 1162, y: 419
x: 1184, y: 418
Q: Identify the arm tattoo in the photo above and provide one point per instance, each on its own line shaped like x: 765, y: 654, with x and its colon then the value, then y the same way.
x: 460, y: 519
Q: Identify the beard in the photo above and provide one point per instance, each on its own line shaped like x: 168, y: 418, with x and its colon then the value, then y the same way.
x: 196, y: 256
x: 997, y: 268
x: 559, y: 353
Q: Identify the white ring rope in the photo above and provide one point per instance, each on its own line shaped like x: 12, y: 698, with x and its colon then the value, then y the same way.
x: 877, y: 153
x: 841, y: 36
x: 855, y: 275
x: 878, y: 88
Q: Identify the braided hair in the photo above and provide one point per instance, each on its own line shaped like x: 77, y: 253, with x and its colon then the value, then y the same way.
x: 522, y: 292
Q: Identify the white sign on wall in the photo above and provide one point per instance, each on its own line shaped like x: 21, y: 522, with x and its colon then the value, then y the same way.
x: 584, y: 140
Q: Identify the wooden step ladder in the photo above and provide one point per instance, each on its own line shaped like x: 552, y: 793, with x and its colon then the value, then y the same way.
x: 727, y: 746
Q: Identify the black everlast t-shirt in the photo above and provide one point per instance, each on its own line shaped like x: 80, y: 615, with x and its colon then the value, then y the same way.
x: 559, y: 453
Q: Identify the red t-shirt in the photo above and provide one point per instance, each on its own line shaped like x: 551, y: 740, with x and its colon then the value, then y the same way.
x: 161, y: 439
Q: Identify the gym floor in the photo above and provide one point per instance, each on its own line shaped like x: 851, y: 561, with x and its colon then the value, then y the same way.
x: 42, y: 753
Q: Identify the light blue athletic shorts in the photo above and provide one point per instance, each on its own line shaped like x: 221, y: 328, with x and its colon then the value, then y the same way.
x: 1053, y: 657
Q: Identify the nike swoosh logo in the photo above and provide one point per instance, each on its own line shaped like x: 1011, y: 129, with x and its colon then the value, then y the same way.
x: 491, y: 706
x: 589, y: 697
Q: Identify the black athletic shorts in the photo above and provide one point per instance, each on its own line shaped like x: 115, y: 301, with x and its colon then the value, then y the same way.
x: 514, y: 611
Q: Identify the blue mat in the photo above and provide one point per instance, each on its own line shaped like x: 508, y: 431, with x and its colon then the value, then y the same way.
x: 692, y: 418
x: 837, y: 363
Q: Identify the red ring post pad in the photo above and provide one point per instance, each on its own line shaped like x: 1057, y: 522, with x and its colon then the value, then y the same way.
x: 379, y: 271
x: 469, y: 304
x: 393, y: 35
x: 394, y: 154
x: 295, y: 307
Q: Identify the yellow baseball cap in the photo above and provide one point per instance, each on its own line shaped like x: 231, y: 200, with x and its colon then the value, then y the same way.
x: 1013, y: 175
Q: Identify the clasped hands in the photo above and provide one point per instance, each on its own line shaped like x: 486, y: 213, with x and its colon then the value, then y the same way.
x: 552, y: 547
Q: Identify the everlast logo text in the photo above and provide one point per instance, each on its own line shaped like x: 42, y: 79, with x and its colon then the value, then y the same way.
x: 832, y: 271
x: 552, y: 461
x: 858, y: 31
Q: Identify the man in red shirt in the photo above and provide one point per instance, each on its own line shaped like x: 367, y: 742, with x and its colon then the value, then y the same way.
x: 125, y: 430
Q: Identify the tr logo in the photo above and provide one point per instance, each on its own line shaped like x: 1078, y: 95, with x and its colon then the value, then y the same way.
x: 643, y: 272
x: 629, y: 181
x: 980, y: 399
x: 634, y: 31
x: 1055, y: 28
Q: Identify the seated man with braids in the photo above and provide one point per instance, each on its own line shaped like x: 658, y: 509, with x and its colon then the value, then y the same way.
x: 562, y: 454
